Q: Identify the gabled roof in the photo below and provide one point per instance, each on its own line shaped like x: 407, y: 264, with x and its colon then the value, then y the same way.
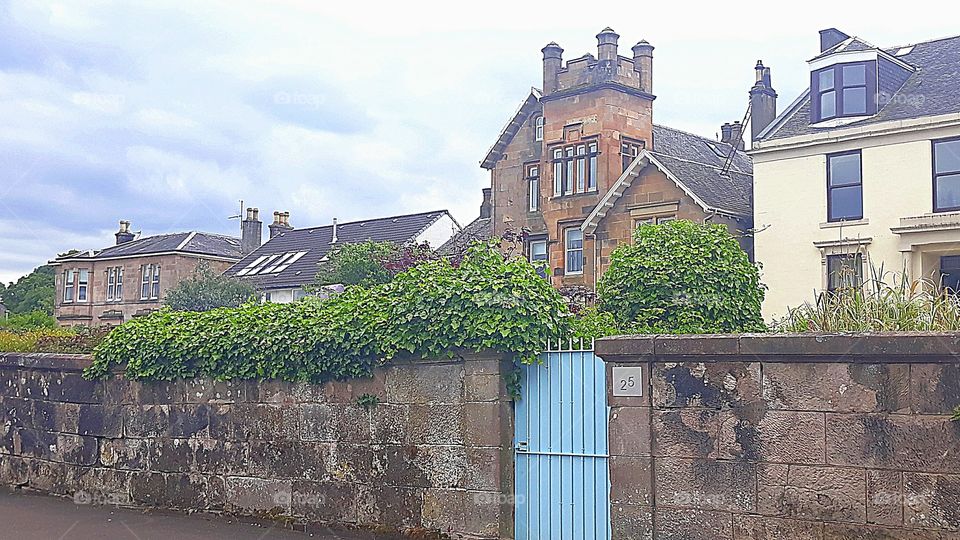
x: 193, y: 243
x: 695, y: 164
x: 529, y: 106
x: 294, y: 255
x: 931, y: 90
x: 478, y: 230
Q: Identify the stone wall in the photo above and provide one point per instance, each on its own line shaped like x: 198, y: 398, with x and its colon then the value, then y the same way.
x: 786, y: 437
x: 434, y: 453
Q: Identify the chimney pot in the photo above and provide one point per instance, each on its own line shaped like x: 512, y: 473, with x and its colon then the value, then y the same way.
x: 124, y: 235
x: 643, y: 64
x: 607, y: 45
x: 552, y: 62
x: 251, y: 232
x: 763, y: 101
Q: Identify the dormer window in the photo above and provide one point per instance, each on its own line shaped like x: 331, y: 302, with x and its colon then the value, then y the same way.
x: 843, y: 90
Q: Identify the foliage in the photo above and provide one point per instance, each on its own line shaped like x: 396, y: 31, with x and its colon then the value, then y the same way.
x: 33, y: 292
x: 206, y: 290
x: 370, y: 263
x: 78, y: 340
x: 28, y: 321
x: 887, y: 302
x: 682, y: 277
x: 591, y: 323
x: 578, y: 298
x: 488, y: 302
x: 367, y: 401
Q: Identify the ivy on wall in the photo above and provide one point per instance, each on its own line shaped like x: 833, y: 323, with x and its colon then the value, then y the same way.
x: 486, y: 302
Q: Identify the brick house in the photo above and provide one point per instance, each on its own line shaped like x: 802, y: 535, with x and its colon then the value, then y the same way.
x: 112, y: 285
x: 581, y: 164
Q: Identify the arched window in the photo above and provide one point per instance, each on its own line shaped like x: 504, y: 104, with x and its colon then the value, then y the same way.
x: 539, y: 126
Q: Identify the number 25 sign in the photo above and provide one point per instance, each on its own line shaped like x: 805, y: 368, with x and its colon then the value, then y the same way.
x: 627, y: 381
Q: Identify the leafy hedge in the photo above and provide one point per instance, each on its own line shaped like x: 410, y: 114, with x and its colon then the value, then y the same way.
x: 487, y: 302
x: 681, y: 277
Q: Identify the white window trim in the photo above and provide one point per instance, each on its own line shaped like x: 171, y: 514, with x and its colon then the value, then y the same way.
x: 69, y: 284
x: 567, y: 250
x: 83, y: 285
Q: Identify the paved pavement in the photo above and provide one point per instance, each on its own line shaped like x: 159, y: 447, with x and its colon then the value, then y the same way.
x: 33, y: 517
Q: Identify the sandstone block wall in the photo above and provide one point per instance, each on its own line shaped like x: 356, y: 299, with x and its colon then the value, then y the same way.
x: 434, y: 452
x: 786, y: 437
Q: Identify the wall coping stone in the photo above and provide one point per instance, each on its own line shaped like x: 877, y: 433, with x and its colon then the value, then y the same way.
x: 887, y: 348
x: 45, y: 361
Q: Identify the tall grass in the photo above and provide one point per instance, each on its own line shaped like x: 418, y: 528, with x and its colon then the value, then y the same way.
x: 886, y: 302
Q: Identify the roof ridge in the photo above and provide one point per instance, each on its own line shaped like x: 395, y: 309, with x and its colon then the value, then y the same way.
x: 956, y: 36
x: 719, y: 169
x: 315, y: 227
x: 701, y: 137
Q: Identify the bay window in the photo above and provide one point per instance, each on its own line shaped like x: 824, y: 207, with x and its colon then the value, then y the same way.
x: 115, y: 284
x: 843, y: 90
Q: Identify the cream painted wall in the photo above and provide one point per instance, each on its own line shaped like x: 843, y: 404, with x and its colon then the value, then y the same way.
x: 790, y: 208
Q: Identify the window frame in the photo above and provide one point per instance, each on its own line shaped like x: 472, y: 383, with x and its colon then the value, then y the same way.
x: 115, y: 284
x: 629, y: 150
x: 816, y: 93
x: 541, y: 268
x: 533, y: 187
x: 830, y: 188
x: 538, y: 128
x: 936, y: 175
x: 83, y: 285
x: 150, y: 282
x: 69, y: 284
x: 575, y: 168
x: 858, y: 268
x: 567, y: 251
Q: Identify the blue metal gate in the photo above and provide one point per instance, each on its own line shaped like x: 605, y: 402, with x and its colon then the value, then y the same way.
x: 562, y: 476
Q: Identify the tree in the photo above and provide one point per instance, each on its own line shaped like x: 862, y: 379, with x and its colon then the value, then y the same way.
x: 370, y: 263
x: 33, y: 292
x: 206, y: 290
x: 682, y: 277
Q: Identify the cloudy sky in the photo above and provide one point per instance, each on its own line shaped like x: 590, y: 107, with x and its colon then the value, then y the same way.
x: 168, y: 116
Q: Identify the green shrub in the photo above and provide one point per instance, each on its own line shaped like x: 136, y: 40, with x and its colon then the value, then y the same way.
x: 206, y: 290
x: 28, y: 321
x: 682, y: 277
x: 432, y: 309
x: 885, y: 303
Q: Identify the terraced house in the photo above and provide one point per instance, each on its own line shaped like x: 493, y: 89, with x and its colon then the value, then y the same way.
x: 112, y: 285
x: 582, y: 163
x: 862, y: 171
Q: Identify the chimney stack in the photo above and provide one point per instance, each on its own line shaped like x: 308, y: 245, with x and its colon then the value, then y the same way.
x: 732, y: 134
x: 124, y: 235
x: 552, y: 62
x: 830, y: 38
x: 251, y: 232
x: 763, y: 101
x: 281, y: 223
x: 486, y: 208
x: 607, y: 45
x: 643, y: 65
x: 333, y: 239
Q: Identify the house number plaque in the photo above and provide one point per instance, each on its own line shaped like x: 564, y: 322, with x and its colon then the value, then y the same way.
x: 627, y: 381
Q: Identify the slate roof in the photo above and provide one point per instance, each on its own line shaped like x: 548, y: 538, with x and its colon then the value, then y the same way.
x: 478, y: 230
x: 930, y: 91
x: 315, y: 243
x: 195, y: 243
x: 697, y: 162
